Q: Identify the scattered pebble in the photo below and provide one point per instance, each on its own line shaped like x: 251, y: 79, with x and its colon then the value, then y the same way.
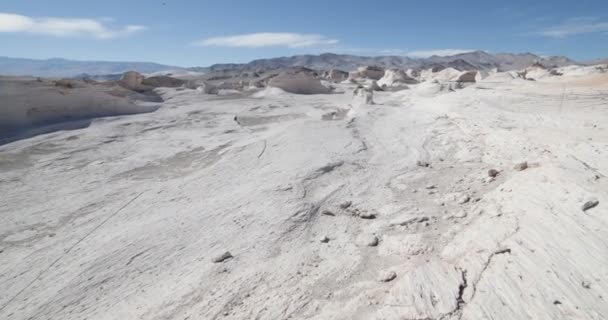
x: 327, y: 212
x: 431, y: 186
x: 493, y: 173
x: 368, y: 240
x: 421, y: 163
x: 586, y: 284
x: 407, y: 221
x: 223, y: 257
x: 502, y: 250
x: 367, y: 215
x: 464, y: 199
x: 521, y: 166
x: 346, y: 204
x: 324, y: 239
x: 386, y: 276
x: 591, y: 203
x: 460, y: 214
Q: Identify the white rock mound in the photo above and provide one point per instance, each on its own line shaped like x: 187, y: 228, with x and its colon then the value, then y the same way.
x: 132, y: 80
x: 444, y: 75
x: 468, y: 77
x: 32, y: 104
x: 363, y: 95
x: 163, y: 81
x: 299, y: 83
x: 335, y: 75
x: 367, y: 72
x: 373, y: 86
x: 499, y: 77
x: 396, y: 78
x: 414, y: 74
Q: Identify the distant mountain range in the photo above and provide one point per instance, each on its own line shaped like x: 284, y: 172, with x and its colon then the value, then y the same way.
x: 477, y: 60
x: 58, y: 67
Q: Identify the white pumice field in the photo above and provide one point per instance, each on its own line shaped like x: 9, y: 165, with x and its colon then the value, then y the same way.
x: 486, y: 201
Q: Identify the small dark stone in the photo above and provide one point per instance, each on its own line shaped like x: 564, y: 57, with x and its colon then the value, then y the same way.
x: 326, y: 212
x: 556, y: 302
x: 346, y: 204
x: 591, y: 203
x: 387, y: 276
x: 367, y: 215
x: 493, y: 173
x: 223, y: 257
x: 421, y: 163
x: 501, y: 251
x: 521, y: 166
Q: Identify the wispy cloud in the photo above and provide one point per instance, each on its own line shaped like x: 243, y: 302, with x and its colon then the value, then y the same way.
x: 440, y: 52
x: 268, y: 39
x: 63, y: 27
x: 576, y: 26
x: 393, y: 52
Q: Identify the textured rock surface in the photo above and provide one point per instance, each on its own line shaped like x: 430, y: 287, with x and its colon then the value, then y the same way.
x: 121, y: 220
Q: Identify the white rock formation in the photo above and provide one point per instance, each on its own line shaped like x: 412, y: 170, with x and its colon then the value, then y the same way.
x: 161, y: 82
x: 30, y: 104
x: 298, y: 83
x: 335, y: 75
x: 445, y: 75
x: 373, y: 86
x: 363, y: 95
x: 132, y: 80
x: 367, y: 72
x: 396, y: 79
x: 468, y: 77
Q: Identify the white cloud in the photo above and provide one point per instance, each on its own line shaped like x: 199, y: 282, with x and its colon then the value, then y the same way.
x: 268, y: 39
x: 394, y: 52
x: 63, y: 27
x: 576, y: 26
x: 441, y: 53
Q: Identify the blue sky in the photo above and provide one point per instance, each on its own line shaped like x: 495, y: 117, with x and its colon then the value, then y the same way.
x: 200, y: 33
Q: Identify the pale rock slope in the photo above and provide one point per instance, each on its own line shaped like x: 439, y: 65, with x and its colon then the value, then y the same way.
x: 283, y: 206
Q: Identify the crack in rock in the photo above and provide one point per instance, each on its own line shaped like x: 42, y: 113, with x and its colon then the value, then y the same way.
x: 486, y: 266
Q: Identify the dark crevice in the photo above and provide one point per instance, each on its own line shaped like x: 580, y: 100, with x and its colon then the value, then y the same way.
x: 463, y: 286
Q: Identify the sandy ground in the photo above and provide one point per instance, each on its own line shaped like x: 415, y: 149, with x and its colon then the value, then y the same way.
x: 327, y: 207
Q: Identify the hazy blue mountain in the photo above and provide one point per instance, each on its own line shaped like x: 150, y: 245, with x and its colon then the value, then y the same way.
x: 476, y: 60
x: 58, y: 67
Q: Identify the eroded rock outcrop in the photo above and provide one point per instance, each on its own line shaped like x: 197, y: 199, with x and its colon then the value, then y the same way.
x: 298, y: 83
